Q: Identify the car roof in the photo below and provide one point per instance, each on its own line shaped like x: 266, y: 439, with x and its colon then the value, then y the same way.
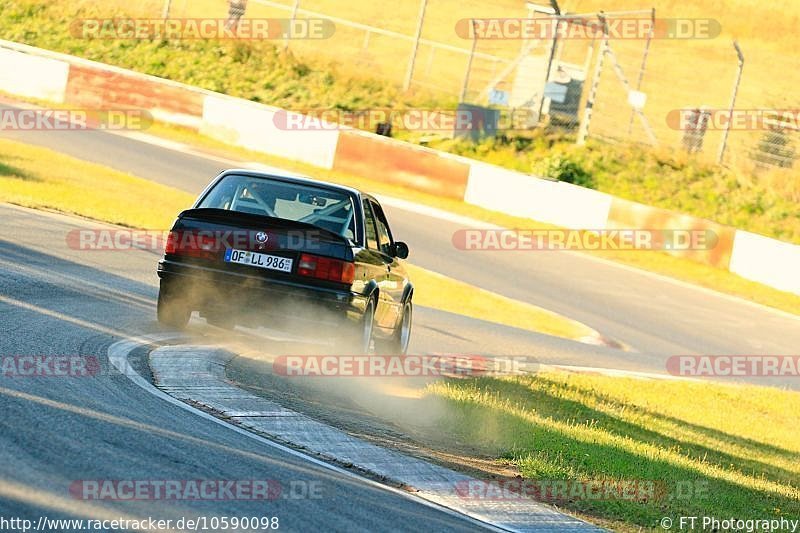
x: 289, y: 177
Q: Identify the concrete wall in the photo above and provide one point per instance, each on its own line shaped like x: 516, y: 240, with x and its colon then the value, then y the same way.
x: 625, y: 214
x: 99, y: 88
x: 384, y: 159
x: 32, y: 76
x: 767, y: 261
x: 254, y: 126
x: 558, y: 203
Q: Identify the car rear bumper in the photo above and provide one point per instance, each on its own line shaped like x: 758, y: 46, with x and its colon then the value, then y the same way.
x: 259, y: 301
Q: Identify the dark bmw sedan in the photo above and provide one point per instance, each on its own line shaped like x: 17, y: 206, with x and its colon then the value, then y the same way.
x: 288, y: 252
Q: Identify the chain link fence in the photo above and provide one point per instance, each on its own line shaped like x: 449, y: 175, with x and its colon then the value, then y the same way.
x: 635, y: 90
x: 645, y: 91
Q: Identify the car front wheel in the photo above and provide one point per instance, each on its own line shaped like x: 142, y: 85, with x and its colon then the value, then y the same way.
x: 400, y: 339
x: 367, y: 325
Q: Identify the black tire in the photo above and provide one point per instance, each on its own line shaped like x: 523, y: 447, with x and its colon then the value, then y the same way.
x: 400, y: 339
x: 172, y: 312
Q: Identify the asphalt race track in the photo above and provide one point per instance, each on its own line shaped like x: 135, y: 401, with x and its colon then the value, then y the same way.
x: 58, y: 430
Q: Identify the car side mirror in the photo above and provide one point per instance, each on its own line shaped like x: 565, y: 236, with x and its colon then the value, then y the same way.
x: 400, y: 250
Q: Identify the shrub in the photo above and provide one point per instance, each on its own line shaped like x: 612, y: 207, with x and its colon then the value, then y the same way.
x: 564, y: 169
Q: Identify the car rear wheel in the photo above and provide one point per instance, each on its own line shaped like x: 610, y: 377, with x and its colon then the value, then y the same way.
x: 398, y: 343
x: 171, y: 311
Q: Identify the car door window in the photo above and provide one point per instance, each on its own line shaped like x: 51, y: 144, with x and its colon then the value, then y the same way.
x: 369, y: 227
x: 384, y: 236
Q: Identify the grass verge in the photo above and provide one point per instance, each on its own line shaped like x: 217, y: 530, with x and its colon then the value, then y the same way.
x: 40, y: 178
x: 716, y: 449
x: 682, y: 448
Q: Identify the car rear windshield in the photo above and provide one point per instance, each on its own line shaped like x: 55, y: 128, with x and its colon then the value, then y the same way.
x: 325, y: 208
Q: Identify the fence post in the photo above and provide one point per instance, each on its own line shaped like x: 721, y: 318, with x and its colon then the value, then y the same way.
x: 739, y: 69
x: 469, y: 61
x: 165, y: 11
x: 415, y: 48
x: 552, y: 53
x: 291, y: 23
x: 644, y: 62
x: 583, y: 131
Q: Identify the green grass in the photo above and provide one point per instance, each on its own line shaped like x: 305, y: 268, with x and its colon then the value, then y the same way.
x: 44, y: 179
x: 253, y: 70
x: 735, y: 446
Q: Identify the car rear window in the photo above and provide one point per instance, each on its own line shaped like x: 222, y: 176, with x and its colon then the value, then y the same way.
x: 328, y: 209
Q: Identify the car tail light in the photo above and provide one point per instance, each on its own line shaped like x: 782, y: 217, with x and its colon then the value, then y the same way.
x: 172, y: 244
x: 326, y: 268
x: 191, y: 244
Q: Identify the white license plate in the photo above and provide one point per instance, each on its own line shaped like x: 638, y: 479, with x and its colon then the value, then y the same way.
x: 270, y: 262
